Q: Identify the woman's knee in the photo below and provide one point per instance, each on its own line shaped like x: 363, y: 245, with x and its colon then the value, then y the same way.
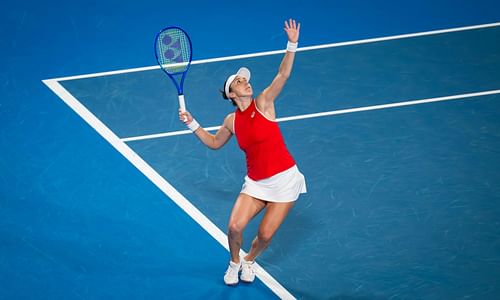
x: 265, y: 235
x: 235, y: 228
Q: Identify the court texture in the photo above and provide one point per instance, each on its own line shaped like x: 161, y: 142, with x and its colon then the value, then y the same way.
x: 392, y: 113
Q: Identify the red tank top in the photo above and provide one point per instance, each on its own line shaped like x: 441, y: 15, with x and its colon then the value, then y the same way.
x: 262, y: 142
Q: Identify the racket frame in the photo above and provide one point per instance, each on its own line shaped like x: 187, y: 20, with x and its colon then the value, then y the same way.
x: 178, y: 85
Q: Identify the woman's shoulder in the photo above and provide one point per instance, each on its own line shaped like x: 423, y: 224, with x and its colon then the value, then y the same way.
x: 229, y: 122
x: 265, y: 108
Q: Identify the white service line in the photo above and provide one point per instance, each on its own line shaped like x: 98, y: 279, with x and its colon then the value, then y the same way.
x: 332, y: 45
x: 327, y: 113
x: 159, y: 181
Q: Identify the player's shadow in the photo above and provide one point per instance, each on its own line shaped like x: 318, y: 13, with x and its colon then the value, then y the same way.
x: 296, y: 228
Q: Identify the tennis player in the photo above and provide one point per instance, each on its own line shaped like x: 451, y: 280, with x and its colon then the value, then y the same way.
x: 273, y: 181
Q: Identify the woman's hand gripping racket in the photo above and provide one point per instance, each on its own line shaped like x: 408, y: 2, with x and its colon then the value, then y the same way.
x: 174, y: 54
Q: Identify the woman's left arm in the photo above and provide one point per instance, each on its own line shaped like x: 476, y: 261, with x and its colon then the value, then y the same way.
x: 266, y: 99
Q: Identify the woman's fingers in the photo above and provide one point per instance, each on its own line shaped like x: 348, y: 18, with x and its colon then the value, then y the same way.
x: 292, y: 28
x: 291, y: 24
x: 184, y: 116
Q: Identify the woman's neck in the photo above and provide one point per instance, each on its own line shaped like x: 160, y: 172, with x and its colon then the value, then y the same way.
x: 243, y: 103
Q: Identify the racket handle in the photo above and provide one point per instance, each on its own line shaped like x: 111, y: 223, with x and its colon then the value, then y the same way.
x: 182, y: 105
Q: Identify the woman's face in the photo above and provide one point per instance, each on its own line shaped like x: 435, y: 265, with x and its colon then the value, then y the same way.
x: 241, y: 87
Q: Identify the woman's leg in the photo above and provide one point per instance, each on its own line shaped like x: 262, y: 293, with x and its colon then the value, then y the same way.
x: 276, y: 213
x: 245, y: 208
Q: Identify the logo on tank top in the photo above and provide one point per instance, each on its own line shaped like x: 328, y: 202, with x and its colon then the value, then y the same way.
x: 253, y: 114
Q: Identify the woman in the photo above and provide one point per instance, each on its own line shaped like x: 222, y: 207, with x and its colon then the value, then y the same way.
x: 273, y: 181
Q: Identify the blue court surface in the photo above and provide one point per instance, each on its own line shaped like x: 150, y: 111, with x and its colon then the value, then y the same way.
x: 392, y: 113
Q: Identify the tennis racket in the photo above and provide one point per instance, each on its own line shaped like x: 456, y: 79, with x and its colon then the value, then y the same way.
x: 173, y: 52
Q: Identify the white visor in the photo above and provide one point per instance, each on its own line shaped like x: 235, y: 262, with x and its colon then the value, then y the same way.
x: 243, y: 72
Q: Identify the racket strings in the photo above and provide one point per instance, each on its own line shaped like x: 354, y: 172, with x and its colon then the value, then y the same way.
x: 173, y: 50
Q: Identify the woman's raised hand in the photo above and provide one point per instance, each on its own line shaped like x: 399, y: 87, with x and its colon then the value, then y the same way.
x: 292, y: 29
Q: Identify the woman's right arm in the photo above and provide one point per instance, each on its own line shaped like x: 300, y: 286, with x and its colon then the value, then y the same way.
x: 212, y: 141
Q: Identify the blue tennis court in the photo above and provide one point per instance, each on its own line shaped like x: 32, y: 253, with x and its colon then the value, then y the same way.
x: 397, y: 132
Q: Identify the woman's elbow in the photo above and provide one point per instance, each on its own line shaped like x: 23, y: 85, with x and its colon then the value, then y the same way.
x: 214, y: 146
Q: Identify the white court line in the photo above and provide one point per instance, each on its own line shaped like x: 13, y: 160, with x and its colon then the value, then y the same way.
x: 160, y: 182
x: 328, y: 113
x: 341, y: 44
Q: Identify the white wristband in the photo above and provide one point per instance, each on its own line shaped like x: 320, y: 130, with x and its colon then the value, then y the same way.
x: 291, y: 47
x: 193, y: 126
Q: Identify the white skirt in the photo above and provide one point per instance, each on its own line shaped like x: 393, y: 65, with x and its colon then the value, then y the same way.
x: 282, y: 187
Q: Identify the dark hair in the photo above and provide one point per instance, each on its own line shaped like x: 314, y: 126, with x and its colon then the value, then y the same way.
x: 223, y: 93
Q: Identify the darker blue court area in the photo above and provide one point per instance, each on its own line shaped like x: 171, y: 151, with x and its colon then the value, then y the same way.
x: 402, y: 203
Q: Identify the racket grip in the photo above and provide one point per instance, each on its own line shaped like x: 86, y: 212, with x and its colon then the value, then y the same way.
x: 182, y: 105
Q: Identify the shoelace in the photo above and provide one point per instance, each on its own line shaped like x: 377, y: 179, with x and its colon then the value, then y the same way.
x: 248, y: 266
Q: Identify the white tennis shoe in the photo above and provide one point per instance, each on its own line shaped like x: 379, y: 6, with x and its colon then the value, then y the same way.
x: 231, y: 276
x: 247, y: 271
